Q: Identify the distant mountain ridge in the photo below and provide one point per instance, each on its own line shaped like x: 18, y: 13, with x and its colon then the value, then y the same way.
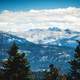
x: 53, y: 36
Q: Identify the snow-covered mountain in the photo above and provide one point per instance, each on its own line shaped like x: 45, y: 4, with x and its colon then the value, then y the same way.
x: 43, y: 46
x: 53, y: 36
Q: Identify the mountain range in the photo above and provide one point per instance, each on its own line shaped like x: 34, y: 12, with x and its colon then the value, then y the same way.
x: 42, y: 46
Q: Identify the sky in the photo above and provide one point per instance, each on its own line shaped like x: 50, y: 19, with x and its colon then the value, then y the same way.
x: 20, y: 15
x: 37, y: 4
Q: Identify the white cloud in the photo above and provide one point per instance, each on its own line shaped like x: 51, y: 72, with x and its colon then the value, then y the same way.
x: 23, y: 20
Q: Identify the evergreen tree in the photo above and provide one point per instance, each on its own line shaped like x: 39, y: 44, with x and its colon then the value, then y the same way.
x: 52, y: 74
x: 17, y: 66
x: 75, y: 64
x: 13, y: 50
x: 63, y: 77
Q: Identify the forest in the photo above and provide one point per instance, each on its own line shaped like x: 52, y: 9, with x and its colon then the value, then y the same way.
x: 17, y: 67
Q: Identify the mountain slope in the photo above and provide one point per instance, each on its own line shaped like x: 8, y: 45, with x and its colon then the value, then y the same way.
x: 51, y: 36
x: 39, y: 55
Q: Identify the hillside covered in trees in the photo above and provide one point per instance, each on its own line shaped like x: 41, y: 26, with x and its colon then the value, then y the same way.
x: 17, y: 67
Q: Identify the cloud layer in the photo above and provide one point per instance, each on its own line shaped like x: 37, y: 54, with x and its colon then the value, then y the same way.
x: 23, y: 20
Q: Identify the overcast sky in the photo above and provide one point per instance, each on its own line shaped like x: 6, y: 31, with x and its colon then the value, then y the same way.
x: 20, y: 15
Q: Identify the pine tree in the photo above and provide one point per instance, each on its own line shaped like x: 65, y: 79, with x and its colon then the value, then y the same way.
x: 75, y: 64
x: 13, y: 50
x: 17, y: 66
x: 63, y: 77
x: 52, y: 74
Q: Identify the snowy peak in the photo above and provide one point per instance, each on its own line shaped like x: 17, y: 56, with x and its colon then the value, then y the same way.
x: 68, y: 31
x: 51, y: 36
x: 54, y: 29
